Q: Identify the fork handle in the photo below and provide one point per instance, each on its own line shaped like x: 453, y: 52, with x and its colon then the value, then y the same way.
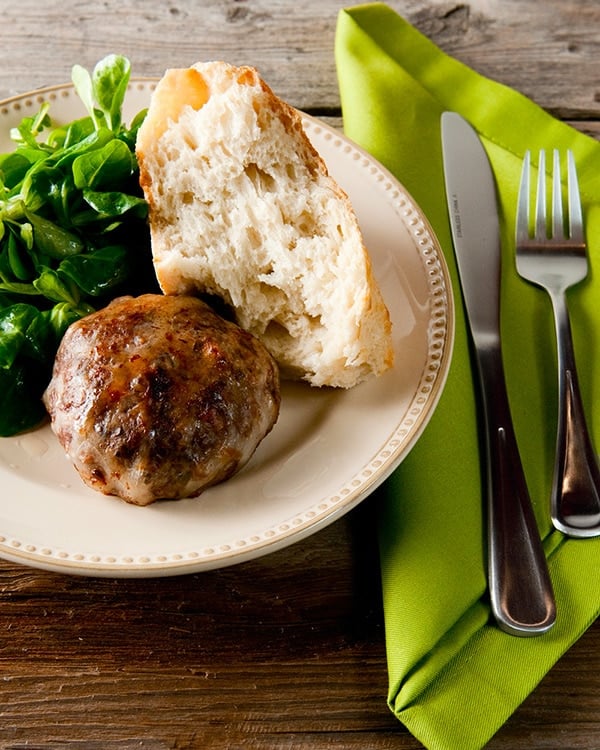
x: 575, y: 505
x: 521, y: 593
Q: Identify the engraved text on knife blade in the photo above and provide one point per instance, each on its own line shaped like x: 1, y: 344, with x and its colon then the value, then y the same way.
x: 456, y: 215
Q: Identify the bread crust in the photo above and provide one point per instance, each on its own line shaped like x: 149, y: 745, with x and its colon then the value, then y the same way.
x: 291, y: 262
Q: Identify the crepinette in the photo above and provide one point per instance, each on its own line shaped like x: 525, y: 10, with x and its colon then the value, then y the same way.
x: 242, y: 207
x: 158, y: 397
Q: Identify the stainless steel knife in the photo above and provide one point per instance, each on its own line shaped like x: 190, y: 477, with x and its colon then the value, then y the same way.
x: 520, y: 589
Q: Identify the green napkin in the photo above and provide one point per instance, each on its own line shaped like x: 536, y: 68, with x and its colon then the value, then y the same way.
x: 454, y: 677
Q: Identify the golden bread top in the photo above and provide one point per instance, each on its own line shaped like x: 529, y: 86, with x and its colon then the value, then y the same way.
x: 178, y: 88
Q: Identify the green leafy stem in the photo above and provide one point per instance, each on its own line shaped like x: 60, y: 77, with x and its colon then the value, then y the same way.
x: 73, y: 232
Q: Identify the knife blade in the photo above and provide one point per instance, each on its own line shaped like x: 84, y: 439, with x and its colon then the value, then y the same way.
x: 520, y: 589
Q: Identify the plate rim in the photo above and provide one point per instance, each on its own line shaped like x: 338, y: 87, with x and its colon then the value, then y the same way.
x: 440, y: 296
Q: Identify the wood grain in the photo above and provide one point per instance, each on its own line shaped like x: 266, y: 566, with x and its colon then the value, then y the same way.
x: 256, y: 654
x: 286, y: 651
x: 548, y: 51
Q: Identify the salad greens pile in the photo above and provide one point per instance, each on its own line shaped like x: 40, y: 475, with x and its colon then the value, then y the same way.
x: 73, y: 232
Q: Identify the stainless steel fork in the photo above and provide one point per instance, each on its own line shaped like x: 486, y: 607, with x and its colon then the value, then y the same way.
x: 556, y: 263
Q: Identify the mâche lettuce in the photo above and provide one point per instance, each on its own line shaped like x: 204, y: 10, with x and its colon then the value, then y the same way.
x: 73, y: 232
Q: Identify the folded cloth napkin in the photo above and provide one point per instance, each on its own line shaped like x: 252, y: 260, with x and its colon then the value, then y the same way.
x: 454, y: 677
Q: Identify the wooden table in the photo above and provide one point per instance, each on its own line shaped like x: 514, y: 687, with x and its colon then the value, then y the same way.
x: 285, y: 651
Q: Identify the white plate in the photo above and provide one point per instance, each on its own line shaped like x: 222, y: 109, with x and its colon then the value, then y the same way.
x: 327, y: 452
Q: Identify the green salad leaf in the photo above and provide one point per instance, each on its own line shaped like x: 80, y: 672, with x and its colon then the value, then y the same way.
x: 73, y: 232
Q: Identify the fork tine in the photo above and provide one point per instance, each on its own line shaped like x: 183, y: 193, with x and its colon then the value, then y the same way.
x: 575, y: 213
x: 558, y: 227
x: 556, y: 264
x: 540, y: 201
x: 522, y: 228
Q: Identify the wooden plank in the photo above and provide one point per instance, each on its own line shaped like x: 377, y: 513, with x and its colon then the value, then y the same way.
x: 250, y: 656
x: 549, y: 50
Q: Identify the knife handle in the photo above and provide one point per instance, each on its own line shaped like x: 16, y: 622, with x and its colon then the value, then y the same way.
x: 521, y: 592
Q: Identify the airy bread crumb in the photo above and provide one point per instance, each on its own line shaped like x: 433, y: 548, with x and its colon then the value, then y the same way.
x: 242, y: 206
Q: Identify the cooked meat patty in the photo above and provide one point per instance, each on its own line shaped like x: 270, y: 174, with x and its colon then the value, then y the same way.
x: 159, y: 397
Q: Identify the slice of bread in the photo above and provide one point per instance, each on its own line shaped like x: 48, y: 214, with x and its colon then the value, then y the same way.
x: 242, y: 206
